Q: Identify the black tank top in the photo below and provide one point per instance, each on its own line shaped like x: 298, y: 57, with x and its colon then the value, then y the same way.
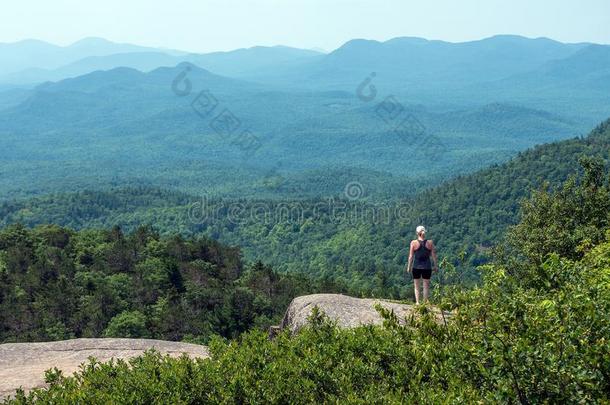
x: 422, y: 256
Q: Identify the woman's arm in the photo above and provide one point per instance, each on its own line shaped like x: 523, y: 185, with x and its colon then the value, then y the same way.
x: 434, y: 257
x: 410, y: 262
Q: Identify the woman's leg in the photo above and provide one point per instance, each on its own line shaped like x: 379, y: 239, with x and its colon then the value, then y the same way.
x: 426, y: 290
x: 416, y: 282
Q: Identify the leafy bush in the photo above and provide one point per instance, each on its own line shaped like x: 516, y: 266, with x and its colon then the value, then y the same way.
x: 567, y: 221
x: 128, y: 324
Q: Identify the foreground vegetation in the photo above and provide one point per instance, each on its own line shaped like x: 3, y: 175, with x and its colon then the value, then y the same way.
x: 56, y: 284
x: 535, y: 331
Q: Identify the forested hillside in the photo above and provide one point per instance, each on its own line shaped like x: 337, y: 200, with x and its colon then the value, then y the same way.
x: 475, y: 210
x: 57, y: 284
x: 360, y: 242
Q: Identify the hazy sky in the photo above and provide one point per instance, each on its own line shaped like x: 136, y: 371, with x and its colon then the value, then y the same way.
x: 208, y: 25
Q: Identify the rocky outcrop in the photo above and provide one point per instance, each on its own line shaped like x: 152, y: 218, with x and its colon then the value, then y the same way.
x: 347, y: 311
x: 23, y: 364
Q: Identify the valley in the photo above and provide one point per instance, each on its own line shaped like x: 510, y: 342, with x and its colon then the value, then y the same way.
x: 158, y: 197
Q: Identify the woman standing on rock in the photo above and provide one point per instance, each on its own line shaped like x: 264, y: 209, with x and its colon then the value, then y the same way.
x: 420, y: 264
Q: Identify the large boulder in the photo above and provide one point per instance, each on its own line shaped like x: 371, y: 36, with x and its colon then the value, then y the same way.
x: 347, y: 311
x: 23, y: 364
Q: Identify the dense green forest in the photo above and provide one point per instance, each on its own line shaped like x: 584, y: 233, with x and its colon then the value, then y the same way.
x: 58, y: 284
x: 359, y: 242
x: 535, y: 331
x: 138, y: 284
x: 129, y: 127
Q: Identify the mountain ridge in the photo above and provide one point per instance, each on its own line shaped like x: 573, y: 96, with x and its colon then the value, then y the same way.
x: 469, y: 213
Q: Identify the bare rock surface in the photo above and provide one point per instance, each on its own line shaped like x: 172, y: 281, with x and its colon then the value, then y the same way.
x: 347, y: 311
x: 23, y: 364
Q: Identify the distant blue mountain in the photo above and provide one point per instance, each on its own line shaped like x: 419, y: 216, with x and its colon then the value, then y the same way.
x: 143, y: 61
x: 31, y: 62
x: 407, y: 64
x: 589, y: 61
x: 577, y: 86
x: 28, y: 54
x: 242, y: 62
x: 136, y: 119
x: 480, y: 102
x: 570, y: 80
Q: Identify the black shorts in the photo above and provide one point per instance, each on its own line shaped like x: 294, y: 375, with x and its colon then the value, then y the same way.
x: 422, y: 273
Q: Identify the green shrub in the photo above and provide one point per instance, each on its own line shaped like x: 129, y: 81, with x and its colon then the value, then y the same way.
x: 129, y: 324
